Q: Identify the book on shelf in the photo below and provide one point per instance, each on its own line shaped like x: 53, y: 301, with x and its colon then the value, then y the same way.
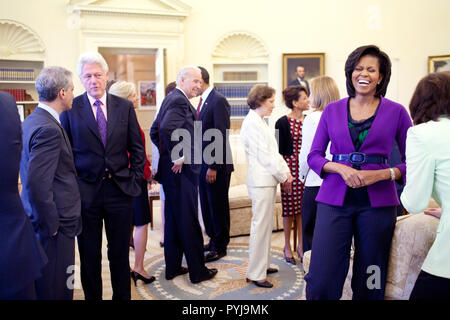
x: 18, y: 94
x: 240, y: 75
x: 239, y: 108
x: 16, y: 74
x: 231, y: 90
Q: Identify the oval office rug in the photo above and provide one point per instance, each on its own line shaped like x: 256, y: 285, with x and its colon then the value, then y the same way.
x: 229, y: 283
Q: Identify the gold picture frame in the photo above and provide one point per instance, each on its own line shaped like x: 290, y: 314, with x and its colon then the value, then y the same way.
x: 438, y: 63
x: 313, y: 63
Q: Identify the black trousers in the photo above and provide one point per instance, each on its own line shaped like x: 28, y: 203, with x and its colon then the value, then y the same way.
x: 372, y: 229
x: 309, y: 212
x: 57, y: 278
x: 216, y: 209
x: 430, y: 287
x: 182, y: 232
x: 113, y: 207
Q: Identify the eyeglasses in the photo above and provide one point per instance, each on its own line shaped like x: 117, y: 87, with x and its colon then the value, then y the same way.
x: 95, y: 75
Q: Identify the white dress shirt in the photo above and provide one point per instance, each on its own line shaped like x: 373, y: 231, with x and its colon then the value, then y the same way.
x: 428, y: 174
x: 94, y: 107
x: 309, y: 130
x: 50, y: 110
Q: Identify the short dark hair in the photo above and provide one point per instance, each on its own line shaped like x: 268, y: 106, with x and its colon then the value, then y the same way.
x: 258, y: 94
x: 170, y: 87
x: 50, y: 81
x: 291, y: 94
x: 205, y: 75
x: 383, y: 60
x: 431, y: 99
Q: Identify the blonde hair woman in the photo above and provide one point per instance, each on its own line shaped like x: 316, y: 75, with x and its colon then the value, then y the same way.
x: 266, y: 168
x: 141, y: 207
x: 323, y: 91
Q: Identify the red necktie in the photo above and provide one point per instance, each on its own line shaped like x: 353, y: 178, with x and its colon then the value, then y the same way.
x: 199, y: 105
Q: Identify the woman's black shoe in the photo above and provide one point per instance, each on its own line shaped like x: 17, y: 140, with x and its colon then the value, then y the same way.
x: 265, y: 284
x: 136, y: 276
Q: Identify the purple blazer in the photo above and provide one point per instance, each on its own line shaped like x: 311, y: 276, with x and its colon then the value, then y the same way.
x: 391, y: 122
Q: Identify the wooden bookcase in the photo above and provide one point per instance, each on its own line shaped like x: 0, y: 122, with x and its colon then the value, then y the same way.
x: 18, y: 77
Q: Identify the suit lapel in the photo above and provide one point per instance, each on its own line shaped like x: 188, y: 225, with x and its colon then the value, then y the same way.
x: 113, y: 115
x: 206, y: 103
x: 344, y: 123
x: 63, y: 132
x: 88, y: 116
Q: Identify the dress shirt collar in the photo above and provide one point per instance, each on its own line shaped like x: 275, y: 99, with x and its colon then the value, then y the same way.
x: 182, y: 91
x: 206, y: 93
x: 102, y: 99
x: 50, y: 110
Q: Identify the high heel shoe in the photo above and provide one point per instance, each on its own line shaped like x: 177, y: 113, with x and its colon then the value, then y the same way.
x: 290, y: 260
x: 137, y: 276
x: 300, y: 257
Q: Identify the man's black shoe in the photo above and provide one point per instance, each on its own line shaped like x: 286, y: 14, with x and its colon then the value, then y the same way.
x: 183, y: 270
x: 214, y: 255
x: 207, y: 247
x: 210, y: 273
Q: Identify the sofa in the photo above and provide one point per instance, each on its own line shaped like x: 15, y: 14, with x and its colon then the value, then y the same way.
x: 413, y: 236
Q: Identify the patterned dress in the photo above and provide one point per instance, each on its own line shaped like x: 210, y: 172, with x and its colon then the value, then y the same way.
x: 292, y: 203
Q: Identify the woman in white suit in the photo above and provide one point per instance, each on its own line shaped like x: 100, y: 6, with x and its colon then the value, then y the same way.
x: 266, y: 168
x: 428, y: 174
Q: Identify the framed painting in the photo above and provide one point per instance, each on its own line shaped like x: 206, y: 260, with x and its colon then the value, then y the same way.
x: 147, y: 94
x: 438, y: 63
x: 299, y: 68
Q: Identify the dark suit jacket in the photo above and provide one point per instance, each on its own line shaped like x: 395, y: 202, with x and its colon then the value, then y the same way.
x: 176, y: 113
x: 215, y: 114
x: 92, y: 158
x: 50, y: 193
x: 297, y: 83
x: 22, y: 257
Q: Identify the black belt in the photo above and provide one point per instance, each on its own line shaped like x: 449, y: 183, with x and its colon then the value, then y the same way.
x: 360, y: 158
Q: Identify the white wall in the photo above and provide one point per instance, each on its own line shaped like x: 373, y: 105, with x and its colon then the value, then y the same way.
x: 408, y: 31
x: 49, y: 20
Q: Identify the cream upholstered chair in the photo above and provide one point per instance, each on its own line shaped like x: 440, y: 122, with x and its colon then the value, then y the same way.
x: 413, y: 236
x: 240, y: 203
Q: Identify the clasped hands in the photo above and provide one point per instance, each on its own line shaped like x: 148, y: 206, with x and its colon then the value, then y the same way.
x: 359, y: 178
x: 286, y: 186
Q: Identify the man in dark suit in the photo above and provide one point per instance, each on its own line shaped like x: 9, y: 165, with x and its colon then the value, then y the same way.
x: 178, y: 171
x: 109, y: 158
x: 217, y: 164
x: 22, y: 257
x: 50, y: 191
x: 300, y: 80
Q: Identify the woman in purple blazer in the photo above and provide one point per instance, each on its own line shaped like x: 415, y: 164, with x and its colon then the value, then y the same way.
x: 358, y: 196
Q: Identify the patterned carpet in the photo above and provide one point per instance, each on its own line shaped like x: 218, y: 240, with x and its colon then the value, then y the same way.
x: 229, y: 283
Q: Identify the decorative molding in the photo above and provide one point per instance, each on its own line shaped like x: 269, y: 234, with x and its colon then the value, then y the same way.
x: 240, y: 46
x: 162, y: 8
x: 17, y: 41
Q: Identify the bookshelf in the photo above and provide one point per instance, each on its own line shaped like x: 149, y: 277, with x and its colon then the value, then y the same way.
x: 18, y: 78
x: 234, y: 81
